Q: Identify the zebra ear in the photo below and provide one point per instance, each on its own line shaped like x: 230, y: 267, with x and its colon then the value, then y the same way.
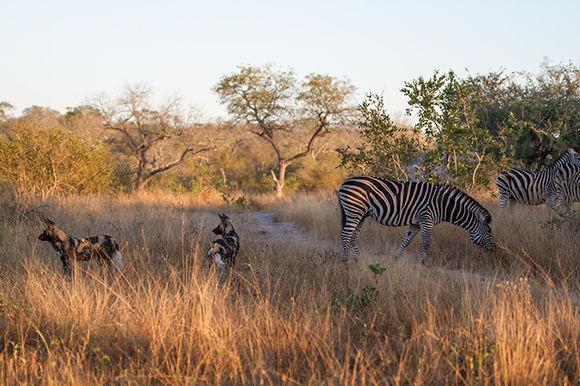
x: 484, y: 217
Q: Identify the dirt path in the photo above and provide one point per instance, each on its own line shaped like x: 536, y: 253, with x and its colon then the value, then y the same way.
x: 271, y: 232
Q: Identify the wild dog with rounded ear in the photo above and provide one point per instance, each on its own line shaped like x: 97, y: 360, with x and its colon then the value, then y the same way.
x: 61, y: 242
x: 224, y: 250
x: 102, y: 247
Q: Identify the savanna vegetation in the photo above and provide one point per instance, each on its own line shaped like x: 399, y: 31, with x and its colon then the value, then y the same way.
x: 290, y: 312
x: 154, y: 177
x: 286, y: 134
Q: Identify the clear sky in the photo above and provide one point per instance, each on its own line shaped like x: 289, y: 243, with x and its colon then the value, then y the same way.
x: 59, y: 53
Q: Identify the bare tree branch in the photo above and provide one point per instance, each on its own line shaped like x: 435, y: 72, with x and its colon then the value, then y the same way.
x: 271, y: 101
x: 144, y: 131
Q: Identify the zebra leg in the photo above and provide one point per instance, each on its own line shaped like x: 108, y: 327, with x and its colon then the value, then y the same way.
x: 503, y: 199
x: 426, y: 231
x: 550, y: 206
x: 354, y: 239
x: 346, y: 235
x: 411, y: 233
x: 354, y: 244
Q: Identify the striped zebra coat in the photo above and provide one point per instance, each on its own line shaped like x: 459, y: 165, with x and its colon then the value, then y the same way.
x: 566, y: 187
x: 418, y: 204
x: 532, y: 188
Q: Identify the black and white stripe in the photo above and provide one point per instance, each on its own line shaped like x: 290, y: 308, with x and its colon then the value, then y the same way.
x: 566, y: 188
x: 416, y: 203
x: 532, y: 188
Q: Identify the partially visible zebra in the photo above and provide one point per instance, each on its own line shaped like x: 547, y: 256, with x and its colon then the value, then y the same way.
x: 415, y: 203
x: 532, y: 188
x: 566, y: 187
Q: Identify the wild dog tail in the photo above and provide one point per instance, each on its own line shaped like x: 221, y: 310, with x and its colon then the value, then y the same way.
x: 118, y: 257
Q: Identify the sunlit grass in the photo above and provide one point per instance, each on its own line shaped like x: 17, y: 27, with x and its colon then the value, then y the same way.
x: 511, y: 317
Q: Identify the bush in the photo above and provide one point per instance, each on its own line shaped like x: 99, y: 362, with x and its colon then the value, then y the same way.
x: 53, y: 163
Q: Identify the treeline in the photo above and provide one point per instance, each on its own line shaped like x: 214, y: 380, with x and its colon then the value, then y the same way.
x: 289, y: 134
x: 469, y: 128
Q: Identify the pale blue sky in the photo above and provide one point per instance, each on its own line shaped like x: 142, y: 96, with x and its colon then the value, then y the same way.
x: 59, y: 53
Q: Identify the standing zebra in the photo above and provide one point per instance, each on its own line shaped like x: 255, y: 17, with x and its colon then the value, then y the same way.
x: 566, y: 188
x: 532, y: 188
x: 416, y: 203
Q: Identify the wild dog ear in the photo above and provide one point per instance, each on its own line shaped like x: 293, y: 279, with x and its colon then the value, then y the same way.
x: 48, y: 221
x: 223, y: 217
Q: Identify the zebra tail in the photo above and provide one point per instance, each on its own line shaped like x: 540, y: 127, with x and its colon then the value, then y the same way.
x: 342, y: 213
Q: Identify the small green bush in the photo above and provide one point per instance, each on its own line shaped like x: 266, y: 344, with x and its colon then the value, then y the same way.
x: 53, y: 163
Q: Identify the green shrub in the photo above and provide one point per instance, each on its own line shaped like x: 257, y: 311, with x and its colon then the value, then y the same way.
x: 53, y: 163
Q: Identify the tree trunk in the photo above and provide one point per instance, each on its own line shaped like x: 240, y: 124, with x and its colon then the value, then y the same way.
x: 474, y: 174
x: 280, y: 179
x: 140, y: 185
x: 140, y: 180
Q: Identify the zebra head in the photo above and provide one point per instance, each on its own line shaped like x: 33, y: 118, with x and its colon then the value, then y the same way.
x: 576, y: 156
x: 571, y: 156
x: 480, y: 233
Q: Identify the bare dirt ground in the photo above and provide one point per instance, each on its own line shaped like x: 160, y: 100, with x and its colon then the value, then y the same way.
x: 270, y: 232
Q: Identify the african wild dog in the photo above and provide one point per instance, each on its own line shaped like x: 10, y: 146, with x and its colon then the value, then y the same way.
x: 104, y: 248
x: 224, y: 250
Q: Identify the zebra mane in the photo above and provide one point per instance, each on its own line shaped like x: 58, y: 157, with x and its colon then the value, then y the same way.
x: 468, y: 200
x: 571, y: 152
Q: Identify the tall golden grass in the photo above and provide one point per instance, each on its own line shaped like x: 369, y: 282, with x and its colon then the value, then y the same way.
x: 510, y: 317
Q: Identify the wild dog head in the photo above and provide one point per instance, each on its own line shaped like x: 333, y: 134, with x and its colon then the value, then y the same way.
x: 224, y: 250
x: 53, y: 234
x: 225, y: 227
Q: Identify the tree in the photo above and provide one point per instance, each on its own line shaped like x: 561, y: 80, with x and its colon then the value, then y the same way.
x: 5, y: 109
x: 288, y: 115
x: 149, y: 136
x: 53, y: 162
x: 85, y: 121
x: 542, y: 114
x: 446, y: 110
x: 41, y: 116
x: 386, y: 148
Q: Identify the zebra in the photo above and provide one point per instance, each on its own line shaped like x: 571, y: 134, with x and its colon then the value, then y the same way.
x: 419, y: 204
x: 532, y: 188
x: 566, y: 187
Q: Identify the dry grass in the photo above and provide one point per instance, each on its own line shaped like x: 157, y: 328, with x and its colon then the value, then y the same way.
x: 511, y: 317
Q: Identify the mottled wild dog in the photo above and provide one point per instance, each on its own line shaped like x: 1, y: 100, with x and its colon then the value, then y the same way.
x: 104, y: 248
x: 224, y: 250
